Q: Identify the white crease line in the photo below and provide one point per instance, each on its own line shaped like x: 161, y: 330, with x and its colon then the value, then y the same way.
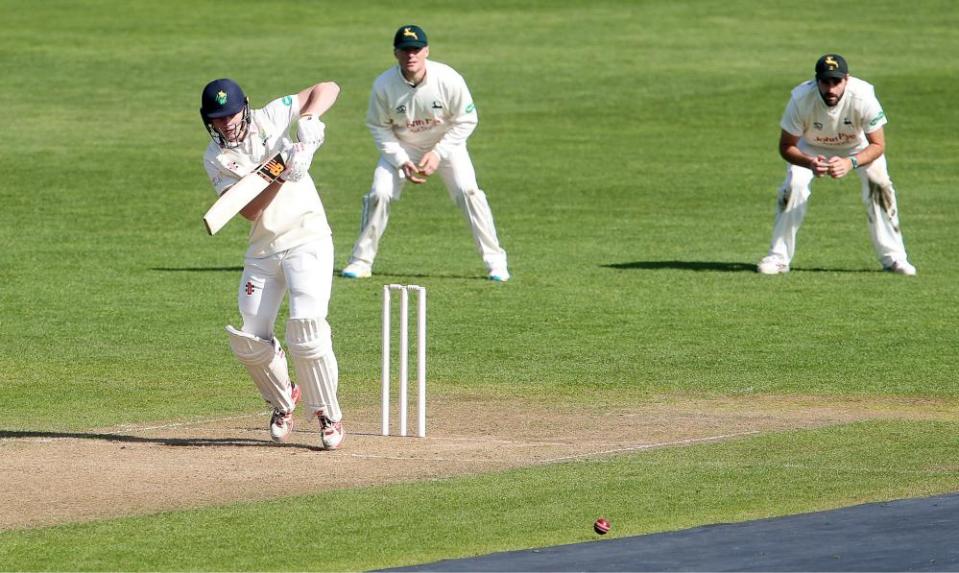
x: 573, y: 457
x: 652, y: 446
x: 131, y: 429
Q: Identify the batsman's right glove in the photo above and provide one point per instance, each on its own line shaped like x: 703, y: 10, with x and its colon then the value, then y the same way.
x: 309, y: 129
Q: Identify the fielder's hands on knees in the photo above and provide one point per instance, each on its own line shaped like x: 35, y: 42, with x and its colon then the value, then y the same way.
x: 299, y: 156
x: 412, y: 173
x: 839, y: 166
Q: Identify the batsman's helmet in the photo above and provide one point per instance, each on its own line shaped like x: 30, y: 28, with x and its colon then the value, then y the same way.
x: 223, y: 98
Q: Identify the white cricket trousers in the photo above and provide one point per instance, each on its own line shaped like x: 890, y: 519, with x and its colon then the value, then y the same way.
x: 878, y: 196
x: 460, y: 178
x: 306, y: 271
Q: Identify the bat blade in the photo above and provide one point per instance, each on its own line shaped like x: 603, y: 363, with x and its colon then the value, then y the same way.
x: 234, y: 199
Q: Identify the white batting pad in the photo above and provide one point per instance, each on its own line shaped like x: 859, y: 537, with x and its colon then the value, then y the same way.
x: 266, y: 363
x: 311, y: 345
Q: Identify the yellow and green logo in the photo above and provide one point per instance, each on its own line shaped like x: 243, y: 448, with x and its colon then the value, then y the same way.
x: 407, y: 33
x: 221, y: 97
x: 832, y: 63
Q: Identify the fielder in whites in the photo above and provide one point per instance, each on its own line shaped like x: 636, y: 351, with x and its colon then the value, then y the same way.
x: 291, y: 248
x: 421, y: 113
x: 833, y: 125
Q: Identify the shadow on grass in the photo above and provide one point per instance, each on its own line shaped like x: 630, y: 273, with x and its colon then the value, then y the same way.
x: 406, y: 276
x: 720, y: 267
x: 124, y: 438
x: 685, y: 266
x: 197, y: 269
x: 336, y: 273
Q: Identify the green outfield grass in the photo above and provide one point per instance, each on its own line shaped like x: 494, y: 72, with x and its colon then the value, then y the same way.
x: 629, y: 153
x: 377, y: 527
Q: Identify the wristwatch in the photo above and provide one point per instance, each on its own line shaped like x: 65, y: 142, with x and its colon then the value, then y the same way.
x: 855, y: 164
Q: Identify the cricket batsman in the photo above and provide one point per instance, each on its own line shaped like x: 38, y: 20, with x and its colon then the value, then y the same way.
x: 290, y: 249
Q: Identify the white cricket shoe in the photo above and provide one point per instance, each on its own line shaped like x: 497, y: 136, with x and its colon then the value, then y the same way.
x: 281, y: 423
x: 772, y: 265
x: 500, y: 275
x: 331, y: 433
x: 901, y: 268
x: 357, y: 270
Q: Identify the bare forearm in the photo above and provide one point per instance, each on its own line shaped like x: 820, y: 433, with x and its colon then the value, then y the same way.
x: 316, y: 100
x: 868, y: 155
x: 255, y: 207
x: 792, y: 154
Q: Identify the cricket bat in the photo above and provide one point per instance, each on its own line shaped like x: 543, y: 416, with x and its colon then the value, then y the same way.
x: 234, y: 199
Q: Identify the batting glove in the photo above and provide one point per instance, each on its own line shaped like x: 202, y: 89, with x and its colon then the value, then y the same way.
x: 299, y: 156
x: 309, y: 129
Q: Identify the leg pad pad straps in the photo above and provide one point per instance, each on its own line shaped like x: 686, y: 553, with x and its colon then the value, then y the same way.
x: 266, y: 363
x: 311, y: 346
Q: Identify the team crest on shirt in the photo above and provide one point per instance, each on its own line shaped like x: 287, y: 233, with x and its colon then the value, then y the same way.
x: 817, y: 125
x: 401, y: 109
x: 846, y: 121
x: 437, y: 105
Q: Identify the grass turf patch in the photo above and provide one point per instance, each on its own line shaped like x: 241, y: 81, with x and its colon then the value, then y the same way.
x: 668, y: 489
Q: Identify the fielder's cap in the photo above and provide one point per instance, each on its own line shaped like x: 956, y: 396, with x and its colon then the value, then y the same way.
x: 831, y: 66
x: 409, y: 36
x: 221, y: 98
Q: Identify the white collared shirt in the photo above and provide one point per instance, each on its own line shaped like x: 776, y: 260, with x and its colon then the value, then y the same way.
x: 296, y: 214
x: 837, y: 129
x: 437, y: 114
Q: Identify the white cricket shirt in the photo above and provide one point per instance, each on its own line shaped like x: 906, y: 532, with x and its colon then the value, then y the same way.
x: 839, y: 129
x: 296, y: 214
x: 437, y: 114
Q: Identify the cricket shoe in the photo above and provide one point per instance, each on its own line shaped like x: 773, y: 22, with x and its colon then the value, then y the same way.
x: 500, y: 275
x: 331, y: 433
x: 901, y: 268
x: 281, y: 423
x: 357, y: 270
x: 772, y: 265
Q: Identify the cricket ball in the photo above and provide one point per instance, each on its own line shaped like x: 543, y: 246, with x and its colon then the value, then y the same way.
x: 601, y: 526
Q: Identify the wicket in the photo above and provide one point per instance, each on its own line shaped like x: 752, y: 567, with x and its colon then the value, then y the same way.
x: 404, y: 357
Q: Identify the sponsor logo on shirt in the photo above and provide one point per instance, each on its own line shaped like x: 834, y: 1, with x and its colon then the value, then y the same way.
x: 817, y: 125
x: 401, y: 109
x: 877, y: 119
x: 437, y: 105
x: 470, y: 108
x: 419, y: 125
x: 838, y: 139
x: 287, y: 101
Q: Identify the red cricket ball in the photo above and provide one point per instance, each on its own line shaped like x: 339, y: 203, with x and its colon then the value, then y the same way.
x: 601, y: 526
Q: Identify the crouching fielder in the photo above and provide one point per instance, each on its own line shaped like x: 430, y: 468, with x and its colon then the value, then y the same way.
x: 833, y: 125
x: 291, y: 249
x: 420, y: 115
